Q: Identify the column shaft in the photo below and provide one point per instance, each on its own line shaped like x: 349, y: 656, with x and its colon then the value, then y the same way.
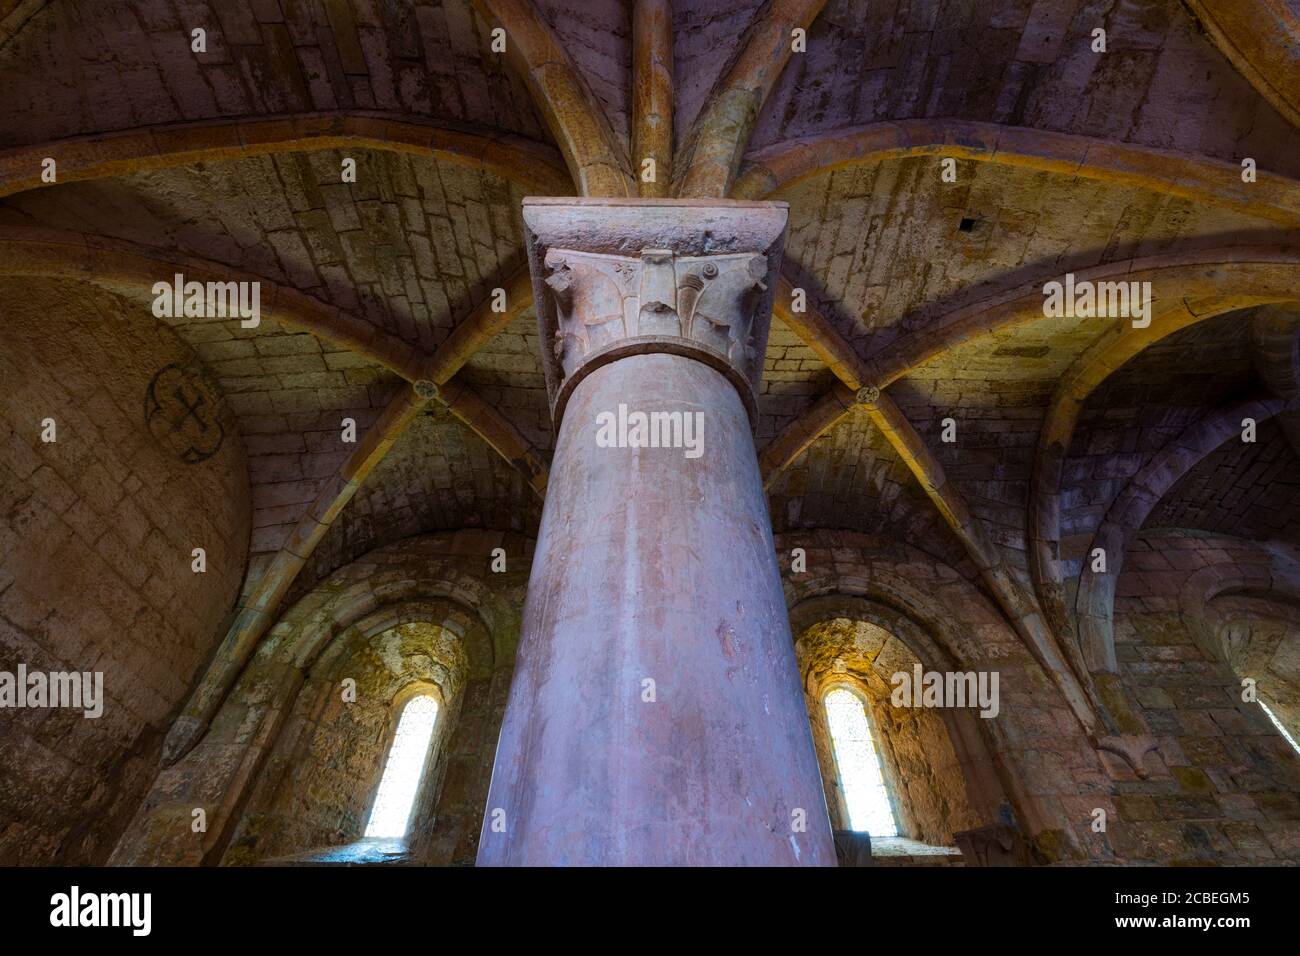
x: 655, y: 567
x: 655, y: 716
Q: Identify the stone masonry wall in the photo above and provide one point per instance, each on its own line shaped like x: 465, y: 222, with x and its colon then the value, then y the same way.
x: 1221, y: 785
x: 322, y: 780
x: 96, y: 534
x: 283, y: 766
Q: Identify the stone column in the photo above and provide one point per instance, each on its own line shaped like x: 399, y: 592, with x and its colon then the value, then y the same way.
x: 656, y: 716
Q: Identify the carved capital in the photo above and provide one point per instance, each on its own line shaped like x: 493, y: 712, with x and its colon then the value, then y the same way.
x: 614, y: 278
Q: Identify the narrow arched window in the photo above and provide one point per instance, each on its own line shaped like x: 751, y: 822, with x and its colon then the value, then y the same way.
x: 858, y: 764
x: 398, y: 786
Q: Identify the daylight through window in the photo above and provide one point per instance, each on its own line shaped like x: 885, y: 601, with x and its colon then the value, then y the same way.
x: 858, y: 765
x: 392, y: 812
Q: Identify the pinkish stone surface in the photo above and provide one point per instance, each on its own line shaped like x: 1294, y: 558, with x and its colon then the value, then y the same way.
x: 656, y: 716
x: 654, y: 567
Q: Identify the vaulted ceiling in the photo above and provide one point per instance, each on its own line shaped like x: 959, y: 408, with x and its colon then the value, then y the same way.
x: 924, y: 296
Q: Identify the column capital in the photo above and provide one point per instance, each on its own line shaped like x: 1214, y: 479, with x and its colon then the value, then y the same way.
x: 619, y: 277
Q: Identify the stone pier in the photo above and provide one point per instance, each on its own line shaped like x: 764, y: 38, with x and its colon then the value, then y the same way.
x: 655, y: 717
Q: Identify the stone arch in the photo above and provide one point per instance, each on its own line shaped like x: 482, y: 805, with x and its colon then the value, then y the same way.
x: 1034, y: 760
x: 888, y: 577
x: 938, y: 770
x: 1092, y: 368
x: 1096, y: 597
x: 1242, y: 611
x: 1274, y: 578
x: 322, y: 617
x: 1258, y: 636
x: 449, y: 614
x: 1202, y: 179
x: 389, y: 654
x: 442, y: 578
x: 876, y: 611
x: 596, y: 159
x: 713, y: 148
x: 118, y: 264
x: 80, y: 158
x: 1260, y: 41
x: 1186, y: 287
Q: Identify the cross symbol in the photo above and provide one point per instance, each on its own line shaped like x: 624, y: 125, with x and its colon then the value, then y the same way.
x: 191, y: 411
